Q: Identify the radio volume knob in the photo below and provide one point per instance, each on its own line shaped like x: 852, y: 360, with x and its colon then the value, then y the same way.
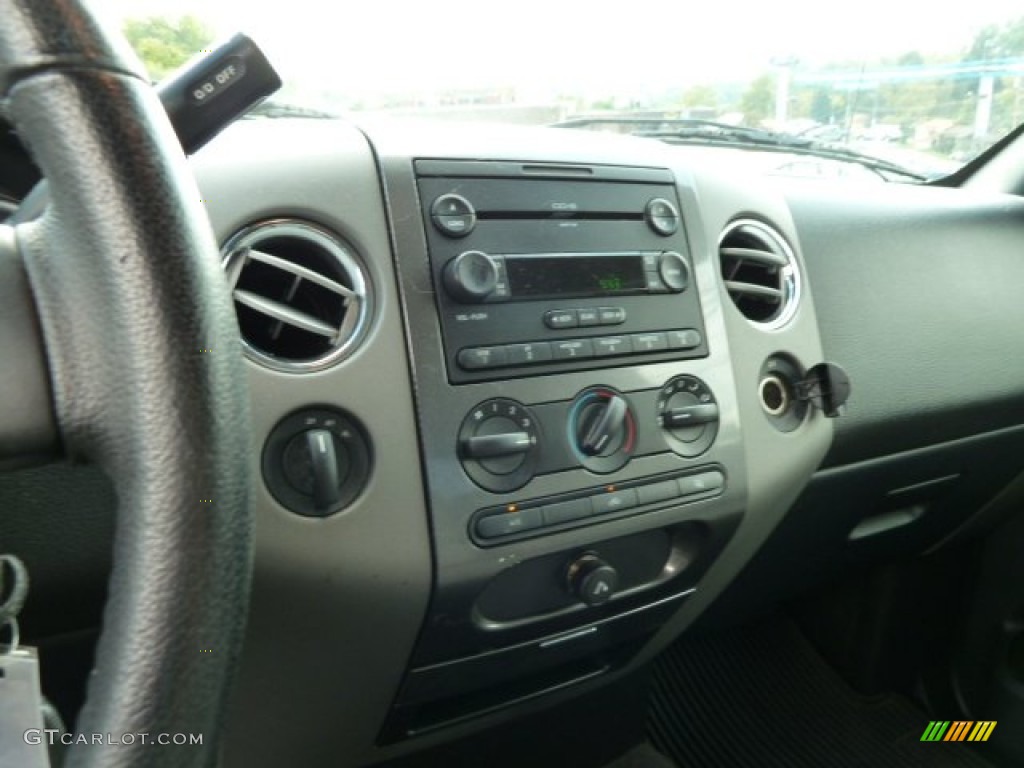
x: 471, y: 277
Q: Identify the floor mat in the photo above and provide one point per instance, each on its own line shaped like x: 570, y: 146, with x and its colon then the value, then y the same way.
x: 642, y: 756
x: 761, y: 696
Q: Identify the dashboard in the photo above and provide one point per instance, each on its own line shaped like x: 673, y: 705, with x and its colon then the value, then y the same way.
x: 530, y: 403
x: 522, y: 299
x: 564, y: 408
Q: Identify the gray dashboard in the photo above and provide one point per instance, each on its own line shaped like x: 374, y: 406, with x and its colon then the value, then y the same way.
x: 348, y: 609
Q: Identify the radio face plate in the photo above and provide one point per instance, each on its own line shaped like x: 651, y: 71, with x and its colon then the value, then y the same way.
x: 550, y: 241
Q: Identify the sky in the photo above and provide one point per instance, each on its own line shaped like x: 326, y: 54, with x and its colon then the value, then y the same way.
x: 546, y: 46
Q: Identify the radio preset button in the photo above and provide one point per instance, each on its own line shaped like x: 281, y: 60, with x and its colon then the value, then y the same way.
x: 609, y: 346
x: 453, y: 215
x: 528, y: 354
x: 649, y: 342
x: 572, y: 349
x: 557, y: 319
x: 480, y: 358
x: 612, y: 315
x: 650, y: 262
x: 588, y: 317
x: 662, y: 216
x: 674, y: 271
x: 687, y: 338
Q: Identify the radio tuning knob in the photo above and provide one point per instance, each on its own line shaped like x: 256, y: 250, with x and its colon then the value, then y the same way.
x: 471, y: 277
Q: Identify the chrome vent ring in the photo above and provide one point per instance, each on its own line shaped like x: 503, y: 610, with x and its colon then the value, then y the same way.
x: 301, y: 294
x: 760, y: 272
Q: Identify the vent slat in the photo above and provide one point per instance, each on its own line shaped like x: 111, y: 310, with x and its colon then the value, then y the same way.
x: 754, y: 254
x: 301, y: 294
x: 759, y: 271
x: 285, y: 314
x: 299, y: 271
x: 763, y: 292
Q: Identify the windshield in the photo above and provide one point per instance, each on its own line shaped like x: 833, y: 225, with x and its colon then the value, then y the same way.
x: 922, y: 89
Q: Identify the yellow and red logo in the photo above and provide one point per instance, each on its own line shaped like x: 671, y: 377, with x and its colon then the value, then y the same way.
x: 958, y: 730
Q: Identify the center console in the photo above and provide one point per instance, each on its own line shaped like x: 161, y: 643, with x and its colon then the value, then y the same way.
x: 576, y: 401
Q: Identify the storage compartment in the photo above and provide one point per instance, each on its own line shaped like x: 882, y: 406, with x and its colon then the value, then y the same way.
x: 871, y: 512
x: 442, y: 694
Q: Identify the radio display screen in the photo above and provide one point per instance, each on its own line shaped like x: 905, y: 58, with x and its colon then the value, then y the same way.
x: 543, y: 275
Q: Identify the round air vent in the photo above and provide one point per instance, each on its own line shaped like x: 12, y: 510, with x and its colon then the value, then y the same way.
x: 760, y: 272
x: 301, y: 295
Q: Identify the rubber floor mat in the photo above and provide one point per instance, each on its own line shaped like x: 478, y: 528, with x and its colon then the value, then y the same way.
x: 761, y: 696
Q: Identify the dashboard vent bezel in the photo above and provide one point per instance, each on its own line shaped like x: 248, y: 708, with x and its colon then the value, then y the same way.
x: 773, y: 256
x: 348, y: 281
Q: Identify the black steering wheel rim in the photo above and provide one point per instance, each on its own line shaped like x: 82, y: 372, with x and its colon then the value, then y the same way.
x: 145, y: 376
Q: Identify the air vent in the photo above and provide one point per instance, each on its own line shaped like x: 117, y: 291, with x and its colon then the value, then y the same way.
x: 760, y: 272
x: 300, y: 294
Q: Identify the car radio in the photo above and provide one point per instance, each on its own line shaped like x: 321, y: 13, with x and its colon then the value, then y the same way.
x: 536, y: 276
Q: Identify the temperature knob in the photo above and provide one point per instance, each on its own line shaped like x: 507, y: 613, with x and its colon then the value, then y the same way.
x: 498, y: 445
x: 688, y: 414
x: 602, y: 430
x: 471, y: 277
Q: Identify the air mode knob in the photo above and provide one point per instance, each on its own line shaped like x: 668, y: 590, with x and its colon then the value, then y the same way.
x: 471, y: 277
x: 591, y: 579
x: 688, y: 415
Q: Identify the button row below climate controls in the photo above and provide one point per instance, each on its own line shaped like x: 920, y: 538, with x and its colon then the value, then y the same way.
x: 513, y: 519
x: 482, y: 358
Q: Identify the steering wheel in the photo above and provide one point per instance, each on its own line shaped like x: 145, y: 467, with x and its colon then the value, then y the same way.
x: 120, y: 347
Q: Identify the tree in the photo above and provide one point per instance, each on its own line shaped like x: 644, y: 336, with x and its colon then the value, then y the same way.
x: 993, y: 43
x: 998, y: 42
x: 758, y: 101
x: 910, y: 59
x: 821, y: 106
x: 700, y: 96
x: 165, y: 44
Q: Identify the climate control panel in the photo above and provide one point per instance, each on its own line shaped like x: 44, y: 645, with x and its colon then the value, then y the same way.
x: 503, y: 444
